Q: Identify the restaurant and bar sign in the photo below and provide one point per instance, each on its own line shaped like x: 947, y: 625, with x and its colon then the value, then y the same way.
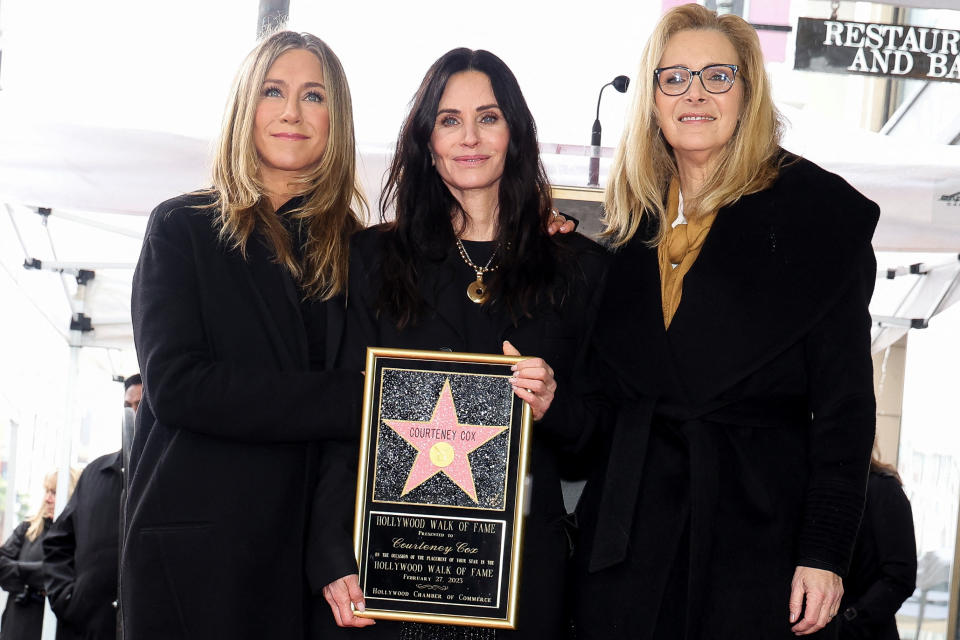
x: 876, y: 49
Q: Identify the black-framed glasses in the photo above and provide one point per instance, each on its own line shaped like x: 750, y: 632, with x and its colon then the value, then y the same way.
x: 715, y: 78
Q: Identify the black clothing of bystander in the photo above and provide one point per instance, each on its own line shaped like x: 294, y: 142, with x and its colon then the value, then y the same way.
x: 21, y: 575
x: 883, y: 571
x: 81, y: 553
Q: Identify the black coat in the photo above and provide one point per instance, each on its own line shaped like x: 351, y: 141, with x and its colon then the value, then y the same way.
x: 21, y: 575
x: 738, y: 439
x: 883, y: 571
x: 81, y: 553
x: 224, y: 460
x: 557, y: 335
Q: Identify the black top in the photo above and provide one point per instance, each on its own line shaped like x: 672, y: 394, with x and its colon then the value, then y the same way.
x: 315, y: 324
x: 883, y: 571
x: 481, y: 321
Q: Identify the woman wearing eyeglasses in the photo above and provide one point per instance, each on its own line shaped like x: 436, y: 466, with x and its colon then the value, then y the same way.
x: 734, y: 387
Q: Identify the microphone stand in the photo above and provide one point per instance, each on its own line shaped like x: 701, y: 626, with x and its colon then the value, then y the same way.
x: 593, y: 179
x: 620, y: 83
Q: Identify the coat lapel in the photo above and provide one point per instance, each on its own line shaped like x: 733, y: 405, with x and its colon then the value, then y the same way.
x: 768, y: 271
x: 271, y: 286
x: 335, y: 310
x: 630, y: 335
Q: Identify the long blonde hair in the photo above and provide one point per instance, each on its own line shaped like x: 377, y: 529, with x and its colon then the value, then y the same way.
x: 332, y: 197
x: 37, y: 522
x: 644, y: 163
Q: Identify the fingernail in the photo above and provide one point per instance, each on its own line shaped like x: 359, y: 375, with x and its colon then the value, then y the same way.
x: 359, y: 605
x: 513, y: 368
x: 793, y: 617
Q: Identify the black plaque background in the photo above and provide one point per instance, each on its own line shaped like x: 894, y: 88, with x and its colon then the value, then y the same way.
x: 507, y: 514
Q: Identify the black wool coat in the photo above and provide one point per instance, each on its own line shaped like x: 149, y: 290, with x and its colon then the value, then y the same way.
x: 738, y: 440
x: 81, y: 553
x: 234, y: 416
x: 21, y: 574
x: 883, y: 570
x: 557, y: 335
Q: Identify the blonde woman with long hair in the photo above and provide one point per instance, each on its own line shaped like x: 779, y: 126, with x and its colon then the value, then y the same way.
x: 734, y: 342
x: 21, y: 570
x: 237, y: 315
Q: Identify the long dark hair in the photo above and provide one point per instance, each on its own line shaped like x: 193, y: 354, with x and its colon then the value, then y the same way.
x: 528, y: 272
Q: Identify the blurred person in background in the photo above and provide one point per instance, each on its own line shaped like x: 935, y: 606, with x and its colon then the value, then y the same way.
x: 883, y: 570
x: 21, y: 568
x: 81, y: 553
x: 132, y: 391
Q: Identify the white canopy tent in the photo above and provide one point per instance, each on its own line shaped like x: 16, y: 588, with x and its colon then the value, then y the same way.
x: 77, y: 197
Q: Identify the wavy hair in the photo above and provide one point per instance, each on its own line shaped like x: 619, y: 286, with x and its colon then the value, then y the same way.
x: 38, y: 522
x: 427, y: 216
x: 644, y: 162
x: 332, y: 199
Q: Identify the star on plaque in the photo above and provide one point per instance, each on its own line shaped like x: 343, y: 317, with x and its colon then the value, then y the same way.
x: 442, y: 444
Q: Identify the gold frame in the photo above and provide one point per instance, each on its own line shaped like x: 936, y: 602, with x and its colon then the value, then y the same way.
x: 360, y: 525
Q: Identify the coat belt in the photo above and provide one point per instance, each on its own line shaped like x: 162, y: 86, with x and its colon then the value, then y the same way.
x: 628, y: 448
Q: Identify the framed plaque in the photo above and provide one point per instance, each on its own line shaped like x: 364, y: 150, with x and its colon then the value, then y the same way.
x: 441, y: 488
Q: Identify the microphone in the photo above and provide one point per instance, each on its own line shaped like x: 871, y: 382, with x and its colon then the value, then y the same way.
x: 620, y: 83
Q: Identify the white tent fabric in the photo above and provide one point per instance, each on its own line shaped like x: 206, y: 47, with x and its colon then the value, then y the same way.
x: 928, y: 4
x: 102, y: 183
x: 907, y: 179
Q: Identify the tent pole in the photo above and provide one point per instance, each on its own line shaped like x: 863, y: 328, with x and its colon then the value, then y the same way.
x: 112, y: 228
x: 272, y: 13
x: 10, y: 508
x: 65, y: 433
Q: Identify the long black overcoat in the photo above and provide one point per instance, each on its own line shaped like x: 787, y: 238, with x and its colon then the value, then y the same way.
x: 224, y: 461
x: 739, y: 438
x: 81, y: 553
x: 557, y: 335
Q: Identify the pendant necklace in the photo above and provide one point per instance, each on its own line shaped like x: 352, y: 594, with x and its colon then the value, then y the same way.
x: 476, y: 290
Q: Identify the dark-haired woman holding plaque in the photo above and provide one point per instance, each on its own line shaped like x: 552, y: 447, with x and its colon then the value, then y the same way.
x: 469, y: 266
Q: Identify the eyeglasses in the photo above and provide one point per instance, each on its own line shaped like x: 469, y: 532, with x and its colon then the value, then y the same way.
x: 676, y: 80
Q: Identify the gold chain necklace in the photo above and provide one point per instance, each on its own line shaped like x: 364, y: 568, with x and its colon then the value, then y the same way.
x: 476, y: 290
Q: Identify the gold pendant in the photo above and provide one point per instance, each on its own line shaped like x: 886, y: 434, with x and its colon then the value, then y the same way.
x: 477, y: 291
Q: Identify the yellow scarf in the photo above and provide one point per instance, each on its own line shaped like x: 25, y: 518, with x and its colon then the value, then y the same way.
x: 680, y: 247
